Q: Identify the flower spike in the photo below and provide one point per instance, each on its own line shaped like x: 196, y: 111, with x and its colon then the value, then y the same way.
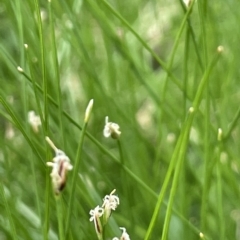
x: 96, y: 213
x: 60, y: 166
x: 110, y: 202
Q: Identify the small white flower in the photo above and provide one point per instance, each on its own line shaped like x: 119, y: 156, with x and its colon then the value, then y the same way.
x: 111, y: 129
x: 60, y: 166
x: 124, y: 236
x: 34, y: 120
x: 110, y: 202
x: 96, y: 213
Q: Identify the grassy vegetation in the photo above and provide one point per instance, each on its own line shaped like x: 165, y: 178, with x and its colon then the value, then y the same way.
x: 167, y: 74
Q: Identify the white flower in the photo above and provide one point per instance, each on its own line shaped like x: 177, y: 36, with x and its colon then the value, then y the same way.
x: 111, y: 129
x: 60, y: 166
x: 124, y: 236
x: 34, y: 120
x: 110, y: 202
x: 96, y: 213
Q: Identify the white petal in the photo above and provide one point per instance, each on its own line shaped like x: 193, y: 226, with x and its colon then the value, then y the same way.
x: 106, y: 132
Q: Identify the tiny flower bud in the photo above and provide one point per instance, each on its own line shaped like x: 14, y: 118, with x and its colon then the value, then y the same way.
x: 220, y: 49
x: 187, y: 2
x: 88, y: 110
x: 111, y: 129
x: 219, y: 134
x: 201, y: 235
x: 26, y: 46
x: 19, y: 69
x: 191, y: 109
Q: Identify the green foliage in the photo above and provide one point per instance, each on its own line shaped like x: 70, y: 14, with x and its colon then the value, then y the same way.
x: 156, y: 69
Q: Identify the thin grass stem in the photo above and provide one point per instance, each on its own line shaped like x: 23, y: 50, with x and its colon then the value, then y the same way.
x: 59, y: 204
x: 76, y: 169
x: 222, y: 223
x: 174, y: 49
x: 57, y: 73
x: 9, y: 214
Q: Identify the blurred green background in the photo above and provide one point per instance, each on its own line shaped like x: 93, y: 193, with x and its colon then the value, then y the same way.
x: 142, y: 62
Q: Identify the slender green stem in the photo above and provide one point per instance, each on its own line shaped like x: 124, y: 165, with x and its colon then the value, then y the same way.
x: 185, y: 66
x: 59, y: 203
x: 191, y: 31
x: 163, y: 190
x: 120, y: 152
x: 183, y: 146
x: 26, y: 100
x: 174, y: 158
x: 8, y: 210
x: 45, y: 123
x: 179, y: 163
x: 124, y: 175
x: 76, y: 169
x: 174, y: 49
x: 219, y: 189
x: 206, y: 186
x: 207, y: 183
x: 34, y: 85
x: 35, y: 185
x: 57, y: 74
x: 203, y: 20
x: 17, y: 9
x: 232, y: 125
x: 42, y: 48
x: 47, y: 204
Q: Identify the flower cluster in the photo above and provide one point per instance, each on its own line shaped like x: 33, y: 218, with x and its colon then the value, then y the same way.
x: 111, y: 129
x: 60, y: 166
x: 110, y: 203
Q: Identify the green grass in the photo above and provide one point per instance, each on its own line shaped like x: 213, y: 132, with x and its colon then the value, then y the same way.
x: 153, y: 67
